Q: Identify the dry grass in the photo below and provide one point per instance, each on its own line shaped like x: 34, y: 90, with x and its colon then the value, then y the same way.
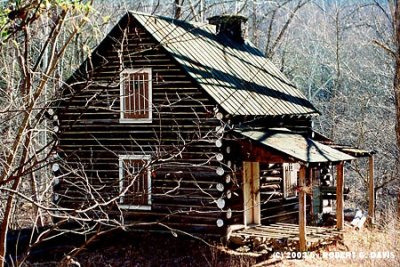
x: 378, y: 246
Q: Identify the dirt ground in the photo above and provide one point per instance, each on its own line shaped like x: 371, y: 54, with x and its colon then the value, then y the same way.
x: 149, y: 249
x: 376, y: 247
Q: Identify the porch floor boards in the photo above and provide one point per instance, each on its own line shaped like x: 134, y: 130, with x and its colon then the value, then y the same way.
x: 283, y: 236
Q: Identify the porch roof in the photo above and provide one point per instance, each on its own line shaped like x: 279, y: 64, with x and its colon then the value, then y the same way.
x: 295, y: 145
x: 353, y: 151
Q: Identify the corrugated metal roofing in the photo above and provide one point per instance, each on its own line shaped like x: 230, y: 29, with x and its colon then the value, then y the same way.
x: 356, y: 152
x: 237, y: 76
x: 296, y: 145
x: 353, y: 151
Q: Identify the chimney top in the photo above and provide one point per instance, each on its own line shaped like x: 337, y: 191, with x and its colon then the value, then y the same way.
x: 229, y: 25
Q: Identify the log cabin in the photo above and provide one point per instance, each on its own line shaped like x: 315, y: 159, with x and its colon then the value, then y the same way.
x: 189, y: 126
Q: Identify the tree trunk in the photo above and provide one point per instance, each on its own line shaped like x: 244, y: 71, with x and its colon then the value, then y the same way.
x: 177, y: 9
x: 398, y: 206
x: 396, y: 80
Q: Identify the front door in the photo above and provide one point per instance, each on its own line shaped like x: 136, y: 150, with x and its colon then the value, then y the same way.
x: 251, y: 193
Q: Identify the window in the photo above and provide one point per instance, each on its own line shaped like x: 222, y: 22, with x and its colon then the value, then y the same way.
x: 135, y: 91
x: 135, y: 182
x: 290, y: 171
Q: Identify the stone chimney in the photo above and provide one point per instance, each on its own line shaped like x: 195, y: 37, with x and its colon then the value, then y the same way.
x: 230, y: 26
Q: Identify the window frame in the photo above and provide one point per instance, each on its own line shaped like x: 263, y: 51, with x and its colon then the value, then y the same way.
x: 121, y: 203
x: 294, y: 170
x: 129, y: 71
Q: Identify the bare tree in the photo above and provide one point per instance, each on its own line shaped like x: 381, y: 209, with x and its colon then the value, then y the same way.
x: 330, y: 52
x: 24, y: 85
x: 30, y: 85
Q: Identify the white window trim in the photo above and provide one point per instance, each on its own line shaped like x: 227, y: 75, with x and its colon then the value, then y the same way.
x: 121, y: 159
x: 295, y: 167
x: 121, y: 94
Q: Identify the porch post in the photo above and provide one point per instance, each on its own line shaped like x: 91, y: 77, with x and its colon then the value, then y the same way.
x: 302, y: 210
x: 339, y: 196
x: 371, y: 191
x: 311, y: 177
x: 251, y: 193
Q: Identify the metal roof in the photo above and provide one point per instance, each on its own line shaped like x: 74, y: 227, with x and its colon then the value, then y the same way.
x: 354, y: 151
x: 236, y: 75
x: 295, y: 145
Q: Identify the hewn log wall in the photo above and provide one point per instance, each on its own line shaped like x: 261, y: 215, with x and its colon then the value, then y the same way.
x: 182, y: 138
x: 275, y: 208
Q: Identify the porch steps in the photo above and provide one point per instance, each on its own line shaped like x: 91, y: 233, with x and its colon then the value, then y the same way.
x: 282, y: 237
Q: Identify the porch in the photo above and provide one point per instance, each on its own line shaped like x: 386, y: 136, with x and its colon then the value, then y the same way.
x: 302, y: 178
x: 282, y: 237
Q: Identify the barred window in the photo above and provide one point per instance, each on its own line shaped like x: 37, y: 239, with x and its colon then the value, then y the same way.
x: 290, y: 174
x: 136, y: 97
x: 135, y: 182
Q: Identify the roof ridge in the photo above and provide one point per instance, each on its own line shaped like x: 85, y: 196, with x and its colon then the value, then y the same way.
x: 237, y: 75
x: 192, y: 22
